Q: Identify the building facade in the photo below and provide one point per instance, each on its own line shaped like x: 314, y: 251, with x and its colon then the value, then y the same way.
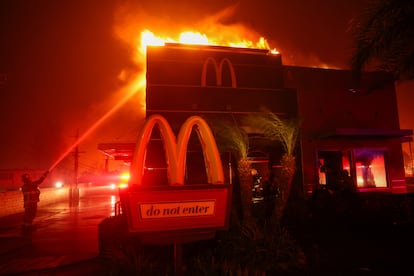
x: 343, y: 130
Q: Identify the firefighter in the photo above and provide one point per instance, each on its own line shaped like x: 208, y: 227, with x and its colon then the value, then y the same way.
x: 31, y: 194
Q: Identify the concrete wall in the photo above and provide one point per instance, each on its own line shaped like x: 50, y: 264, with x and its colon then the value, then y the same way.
x: 12, y: 202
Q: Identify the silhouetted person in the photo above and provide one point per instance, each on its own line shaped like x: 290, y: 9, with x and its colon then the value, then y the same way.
x: 368, y: 176
x: 31, y: 196
x: 345, y: 182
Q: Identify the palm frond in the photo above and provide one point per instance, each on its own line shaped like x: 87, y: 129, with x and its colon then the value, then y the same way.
x: 277, y: 129
x: 230, y: 137
x: 384, y: 38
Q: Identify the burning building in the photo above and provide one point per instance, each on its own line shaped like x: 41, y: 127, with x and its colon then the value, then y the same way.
x: 342, y: 129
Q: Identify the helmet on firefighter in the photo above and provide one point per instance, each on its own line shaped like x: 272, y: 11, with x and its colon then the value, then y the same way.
x: 26, y: 178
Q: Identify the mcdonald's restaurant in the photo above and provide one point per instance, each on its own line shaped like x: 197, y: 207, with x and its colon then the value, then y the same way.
x: 344, y: 131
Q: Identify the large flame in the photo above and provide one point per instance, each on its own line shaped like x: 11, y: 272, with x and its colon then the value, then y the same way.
x: 148, y: 38
x: 135, y: 31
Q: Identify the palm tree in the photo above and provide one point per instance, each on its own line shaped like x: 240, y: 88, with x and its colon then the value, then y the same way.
x: 384, y: 39
x: 287, y: 133
x: 232, y: 138
x: 254, y: 249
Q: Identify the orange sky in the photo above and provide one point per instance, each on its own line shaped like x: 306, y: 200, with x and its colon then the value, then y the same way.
x: 68, y: 61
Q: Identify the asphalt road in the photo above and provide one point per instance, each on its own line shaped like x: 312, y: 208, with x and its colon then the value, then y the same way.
x: 64, y: 241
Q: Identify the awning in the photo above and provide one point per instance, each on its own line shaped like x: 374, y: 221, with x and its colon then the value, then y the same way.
x: 372, y: 133
x: 118, y: 151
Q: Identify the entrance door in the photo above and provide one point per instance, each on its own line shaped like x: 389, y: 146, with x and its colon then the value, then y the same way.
x: 333, y: 164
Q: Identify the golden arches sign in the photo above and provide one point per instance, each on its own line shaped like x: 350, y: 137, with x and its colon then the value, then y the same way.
x: 176, y: 151
x: 218, y: 69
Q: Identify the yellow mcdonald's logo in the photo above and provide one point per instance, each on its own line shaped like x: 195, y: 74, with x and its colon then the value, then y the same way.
x: 176, y: 151
x: 218, y: 69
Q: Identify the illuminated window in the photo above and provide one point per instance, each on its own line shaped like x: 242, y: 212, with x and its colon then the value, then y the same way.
x: 331, y: 167
x: 366, y: 167
x: 370, y: 168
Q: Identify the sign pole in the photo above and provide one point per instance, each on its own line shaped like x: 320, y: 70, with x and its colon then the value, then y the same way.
x: 178, y: 259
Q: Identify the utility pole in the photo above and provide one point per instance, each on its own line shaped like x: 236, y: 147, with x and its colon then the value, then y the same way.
x: 74, y: 193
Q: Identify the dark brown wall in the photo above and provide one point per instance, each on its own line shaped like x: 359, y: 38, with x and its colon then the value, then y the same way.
x: 175, y: 86
x: 182, y: 65
x: 326, y: 103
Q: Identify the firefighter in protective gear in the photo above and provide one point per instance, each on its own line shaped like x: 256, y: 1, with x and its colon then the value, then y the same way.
x: 31, y: 194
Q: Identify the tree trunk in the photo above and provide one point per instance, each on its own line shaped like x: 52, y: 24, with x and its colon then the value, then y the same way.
x: 284, y: 182
x: 244, y: 170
